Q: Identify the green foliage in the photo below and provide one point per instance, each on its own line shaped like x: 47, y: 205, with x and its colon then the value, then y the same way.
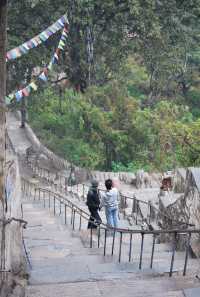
x: 139, y: 106
x: 25, y: 20
x: 131, y: 167
x: 105, y: 128
x: 193, y: 100
x: 165, y: 38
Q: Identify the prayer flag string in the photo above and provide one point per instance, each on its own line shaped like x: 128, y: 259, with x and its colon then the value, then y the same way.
x: 43, y: 76
x: 37, y: 40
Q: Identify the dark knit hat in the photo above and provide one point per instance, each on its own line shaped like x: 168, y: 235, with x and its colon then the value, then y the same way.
x: 94, y: 183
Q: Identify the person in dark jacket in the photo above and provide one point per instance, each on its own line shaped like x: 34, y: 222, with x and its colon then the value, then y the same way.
x: 93, y: 203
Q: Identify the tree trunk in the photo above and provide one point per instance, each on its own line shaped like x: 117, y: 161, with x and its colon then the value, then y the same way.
x: 3, y: 24
x: 23, y: 112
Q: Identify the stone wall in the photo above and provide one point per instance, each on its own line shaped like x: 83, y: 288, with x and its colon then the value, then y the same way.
x: 126, y: 177
x: 59, y: 163
x: 13, y: 261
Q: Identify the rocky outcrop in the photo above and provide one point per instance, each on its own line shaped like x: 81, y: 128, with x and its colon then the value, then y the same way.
x: 185, y: 209
x: 179, y: 180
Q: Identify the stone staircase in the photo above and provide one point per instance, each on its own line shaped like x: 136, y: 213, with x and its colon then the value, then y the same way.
x: 60, y: 262
x: 63, y: 264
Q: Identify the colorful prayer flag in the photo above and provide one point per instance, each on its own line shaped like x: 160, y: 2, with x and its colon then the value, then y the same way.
x: 43, y: 77
x: 18, y: 95
x: 35, y: 41
x: 33, y: 86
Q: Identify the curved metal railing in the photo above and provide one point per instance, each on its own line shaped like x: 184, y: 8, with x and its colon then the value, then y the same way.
x: 54, y: 200
x: 151, y: 215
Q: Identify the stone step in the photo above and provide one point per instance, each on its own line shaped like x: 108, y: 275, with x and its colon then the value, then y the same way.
x: 162, y: 255
x: 193, y: 292
x: 89, y: 271
x: 162, y: 252
x: 136, y: 285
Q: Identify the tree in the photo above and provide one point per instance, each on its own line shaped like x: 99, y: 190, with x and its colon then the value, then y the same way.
x: 96, y: 43
x: 36, y: 17
x: 164, y: 33
x: 166, y: 37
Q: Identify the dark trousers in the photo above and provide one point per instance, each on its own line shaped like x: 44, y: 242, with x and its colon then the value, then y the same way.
x: 94, y: 217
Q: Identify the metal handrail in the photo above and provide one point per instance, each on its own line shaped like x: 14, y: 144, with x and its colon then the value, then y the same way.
x: 127, y: 230
x: 45, y: 173
x: 158, y: 212
x: 13, y: 219
x: 30, y: 188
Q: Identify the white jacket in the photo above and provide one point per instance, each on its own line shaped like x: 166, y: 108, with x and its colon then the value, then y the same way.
x: 110, y: 199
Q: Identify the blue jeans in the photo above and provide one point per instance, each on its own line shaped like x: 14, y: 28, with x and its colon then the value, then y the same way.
x: 112, y: 216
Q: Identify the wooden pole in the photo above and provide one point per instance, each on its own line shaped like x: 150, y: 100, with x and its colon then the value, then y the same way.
x: 3, y: 27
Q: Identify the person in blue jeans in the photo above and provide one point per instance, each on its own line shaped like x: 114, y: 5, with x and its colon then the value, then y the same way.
x: 110, y: 200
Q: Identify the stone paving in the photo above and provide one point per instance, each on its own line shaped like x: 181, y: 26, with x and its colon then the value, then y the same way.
x: 63, y: 265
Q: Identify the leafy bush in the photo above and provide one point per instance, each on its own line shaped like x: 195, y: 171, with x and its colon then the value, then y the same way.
x: 106, y: 128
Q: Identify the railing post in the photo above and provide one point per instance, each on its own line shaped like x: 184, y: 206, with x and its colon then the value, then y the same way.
x: 123, y: 199
x: 133, y: 205
x: 152, y: 252
x: 187, y: 253
x: 99, y: 235
x: 120, y: 247
x: 54, y: 205
x: 149, y: 212
x: 141, y: 250
x: 173, y: 254
x: 74, y: 214
x: 113, y: 242
x: 44, y: 199
x: 30, y: 188
x: 130, y: 247
x: 49, y: 200
x: 65, y: 214
x: 80, y: 221
x: 26, y: 191
x: 91, y: 233
x: 34, y: 194
x: 60, y: 207
x: 66, y: 188
x: 105, y: 240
